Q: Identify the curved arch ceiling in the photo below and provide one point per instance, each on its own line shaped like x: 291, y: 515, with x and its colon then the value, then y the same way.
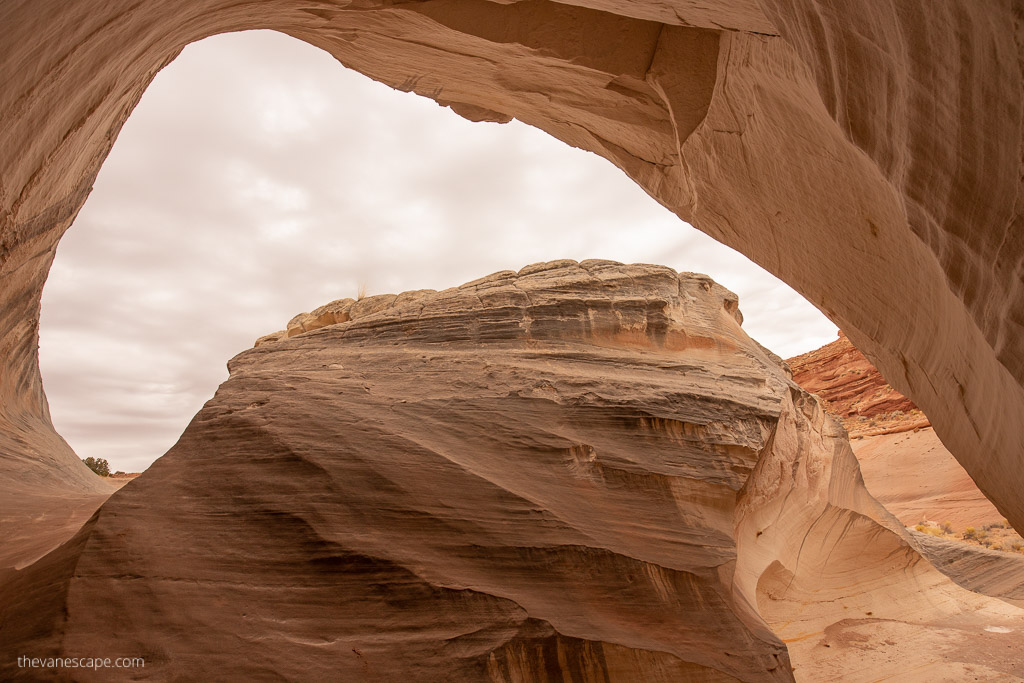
x: 852, y: 148
x: 256, y: 180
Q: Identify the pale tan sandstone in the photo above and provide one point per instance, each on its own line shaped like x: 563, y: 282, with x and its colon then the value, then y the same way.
x: 907, y: 469
x: 843, y: 583
x: 866, y: 151
x: 992, y: 572
x: 904, y: 463
x: 916, y: 478
x: 577, y: 471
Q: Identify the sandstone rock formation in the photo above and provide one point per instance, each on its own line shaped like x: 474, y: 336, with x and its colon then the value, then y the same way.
x: 991, y: 572
x: 917, y: 479
x: 907, y: 469
x: 866, y: 151
x: 905, y: 465
x: 46, y: 493
x: 854, y: 391
x: 581, y: 471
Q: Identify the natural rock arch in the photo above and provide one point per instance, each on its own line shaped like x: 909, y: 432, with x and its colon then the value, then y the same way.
x: 868, y: 152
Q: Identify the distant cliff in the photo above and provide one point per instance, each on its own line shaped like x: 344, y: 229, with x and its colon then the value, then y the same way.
x: 854, y: 391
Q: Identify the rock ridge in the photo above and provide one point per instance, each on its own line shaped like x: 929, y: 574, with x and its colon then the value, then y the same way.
x: 598, y: 299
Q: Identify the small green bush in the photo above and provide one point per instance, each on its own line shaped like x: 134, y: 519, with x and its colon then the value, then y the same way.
x: 98, y: 465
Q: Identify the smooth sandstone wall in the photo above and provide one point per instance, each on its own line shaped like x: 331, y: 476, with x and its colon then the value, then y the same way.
x: 868, y: 152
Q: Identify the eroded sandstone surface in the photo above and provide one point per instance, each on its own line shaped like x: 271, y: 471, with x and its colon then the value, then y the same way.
x: 907, y: 469
x: 577, y: 470
x: 917, y: 479
x: 905, y: 465
x: 868, y: 152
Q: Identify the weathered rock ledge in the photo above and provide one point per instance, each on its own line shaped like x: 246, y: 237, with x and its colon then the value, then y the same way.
x: 595, y: 299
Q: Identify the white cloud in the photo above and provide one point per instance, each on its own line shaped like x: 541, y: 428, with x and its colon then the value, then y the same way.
x: 258, y: 179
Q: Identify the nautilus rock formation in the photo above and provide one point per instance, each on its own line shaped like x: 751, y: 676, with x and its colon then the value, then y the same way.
x: 580, y: 470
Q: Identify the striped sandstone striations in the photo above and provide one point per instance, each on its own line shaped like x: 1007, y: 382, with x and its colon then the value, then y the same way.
x: 577, y: 471
x: 868, y: 152
x: 854, y: 391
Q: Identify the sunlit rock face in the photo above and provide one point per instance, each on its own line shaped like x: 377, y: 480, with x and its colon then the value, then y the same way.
x: 865, y: 151
x: 574, y: 472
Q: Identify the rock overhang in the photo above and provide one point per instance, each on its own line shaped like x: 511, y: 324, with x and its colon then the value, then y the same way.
x: 767, y: 124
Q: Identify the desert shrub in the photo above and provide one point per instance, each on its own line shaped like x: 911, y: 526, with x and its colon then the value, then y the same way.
x: 970, y: 532
x: 920, y: 527
x: 1017, y: 546
x: 947, y: 527
x: 98, y: 465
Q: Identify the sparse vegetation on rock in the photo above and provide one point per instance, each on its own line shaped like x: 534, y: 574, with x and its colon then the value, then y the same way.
x: 996, y: 536
x: 98, y: 465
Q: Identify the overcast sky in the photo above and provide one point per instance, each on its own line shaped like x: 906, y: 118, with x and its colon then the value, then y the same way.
x: 258, y: 178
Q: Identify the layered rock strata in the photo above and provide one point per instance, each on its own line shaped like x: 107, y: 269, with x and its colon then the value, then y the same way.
x: 868, y: 152
x: 854, y: 391
x: 577, y: 471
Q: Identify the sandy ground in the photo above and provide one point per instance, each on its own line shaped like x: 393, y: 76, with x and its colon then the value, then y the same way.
x: 898, y: 651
